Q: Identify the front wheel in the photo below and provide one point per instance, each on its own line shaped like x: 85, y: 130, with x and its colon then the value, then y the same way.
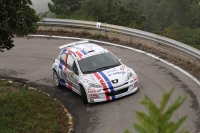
x: 83, y: 95
x: 56, y: 79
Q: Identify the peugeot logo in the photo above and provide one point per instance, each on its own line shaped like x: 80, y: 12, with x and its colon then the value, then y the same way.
x: 114, y: 81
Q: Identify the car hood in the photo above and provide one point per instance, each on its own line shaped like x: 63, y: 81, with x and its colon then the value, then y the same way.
x: 109, y: 78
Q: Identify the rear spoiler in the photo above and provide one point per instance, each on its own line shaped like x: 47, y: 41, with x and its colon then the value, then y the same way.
x: 73, y: 43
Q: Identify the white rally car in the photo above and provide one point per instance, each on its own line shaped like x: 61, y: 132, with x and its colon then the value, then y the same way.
x: 93, y: 72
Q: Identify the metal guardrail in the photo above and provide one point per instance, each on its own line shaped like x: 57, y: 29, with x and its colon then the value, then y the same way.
x: 122, y: 30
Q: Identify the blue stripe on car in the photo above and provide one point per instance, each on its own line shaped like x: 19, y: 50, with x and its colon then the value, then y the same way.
x: 62, y: 81
x: 108, y: 82
x: 60, y: 65
x: 83, y: 52
x: 64, y: 51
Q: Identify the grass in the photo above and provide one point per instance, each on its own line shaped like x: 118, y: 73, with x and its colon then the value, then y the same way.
x: 188, y: 62
x: 99, y: 36
x: 84, y: 33
x: 115, y: 39
x: 30, y: 111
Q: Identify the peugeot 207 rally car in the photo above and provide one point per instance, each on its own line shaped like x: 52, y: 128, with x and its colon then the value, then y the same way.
x: 93, y: 72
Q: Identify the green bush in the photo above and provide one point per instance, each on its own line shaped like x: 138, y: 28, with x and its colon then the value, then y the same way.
x: 158, y: 118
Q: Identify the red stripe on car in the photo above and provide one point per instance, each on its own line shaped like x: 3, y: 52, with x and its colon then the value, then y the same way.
x: 103, y: 84
x: 79, y: 54
x: 69, y: 85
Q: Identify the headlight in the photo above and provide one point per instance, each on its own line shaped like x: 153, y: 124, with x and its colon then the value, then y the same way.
x: 129, y: 75
x: 94, y: 85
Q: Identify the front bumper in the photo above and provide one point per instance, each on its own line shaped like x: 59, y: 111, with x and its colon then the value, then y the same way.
x: 105, y: 95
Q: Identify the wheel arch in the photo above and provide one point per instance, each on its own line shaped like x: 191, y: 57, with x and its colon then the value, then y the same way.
x: 81, y: 85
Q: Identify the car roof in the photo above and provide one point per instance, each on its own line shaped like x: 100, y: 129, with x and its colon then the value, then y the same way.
x: 83, y: 49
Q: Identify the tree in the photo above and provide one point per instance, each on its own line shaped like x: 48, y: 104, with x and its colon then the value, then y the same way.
x: 113, y: 12
x: 65, y: 8
x: 17, y: 19
x: 95, y: 9
x: 158, y: 118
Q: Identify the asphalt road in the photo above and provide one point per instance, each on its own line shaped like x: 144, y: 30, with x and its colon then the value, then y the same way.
x: 30, y: 61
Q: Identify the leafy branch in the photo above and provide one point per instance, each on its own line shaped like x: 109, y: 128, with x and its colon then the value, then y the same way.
x: 158, y: 118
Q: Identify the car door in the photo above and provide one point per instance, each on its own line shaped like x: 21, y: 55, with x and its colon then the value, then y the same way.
x: 73, y: 73
x: 63, y: 69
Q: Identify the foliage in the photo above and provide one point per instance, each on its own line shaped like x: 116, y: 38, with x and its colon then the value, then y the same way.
x: 42, y: 15
x: 109, y: 11
x: 28, y: 111
x: 185, y: 34
x: 158, y: 118
x: 126, y: 14
x: 96, y: 9
x: 176, y: 19
x: 64, y: 8
x: 17, y: 19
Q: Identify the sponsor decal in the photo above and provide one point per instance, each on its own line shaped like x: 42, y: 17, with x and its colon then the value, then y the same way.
x: 92, y: 77
x: 72, y: 74
x: 93, y: 96
x: 82, y: 80
x: 91, y: 90
x: 122, y: 67
x: 76, y: 78
x: 111, y: 71
x: 69, y: 72
x: 64, y: 75
x: 116, y: 73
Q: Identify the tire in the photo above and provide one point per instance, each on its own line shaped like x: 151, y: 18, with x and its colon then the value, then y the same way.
x: 83, y: 95
x: 56, y: 79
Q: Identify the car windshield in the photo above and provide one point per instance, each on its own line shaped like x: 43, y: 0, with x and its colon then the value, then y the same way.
x: 98, y: 62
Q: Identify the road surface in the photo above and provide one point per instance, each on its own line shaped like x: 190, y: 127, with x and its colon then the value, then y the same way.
x: 30, y: 61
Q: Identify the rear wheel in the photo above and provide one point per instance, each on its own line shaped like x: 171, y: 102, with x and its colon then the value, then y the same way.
x: 56, y: 79
x: 83, y: 95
